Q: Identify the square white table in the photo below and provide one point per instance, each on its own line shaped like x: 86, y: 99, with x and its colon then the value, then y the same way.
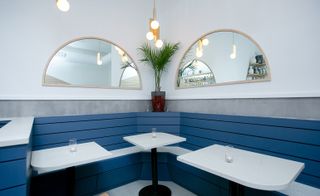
x: 249, y: 169
x: 53, y: 159
x: 147, y: 142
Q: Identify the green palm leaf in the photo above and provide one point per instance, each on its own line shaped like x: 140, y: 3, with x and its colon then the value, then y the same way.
x: 158, y: 58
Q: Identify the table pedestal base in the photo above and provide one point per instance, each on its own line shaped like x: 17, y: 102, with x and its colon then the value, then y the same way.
x: 159, y: 190
x: 235, y: 189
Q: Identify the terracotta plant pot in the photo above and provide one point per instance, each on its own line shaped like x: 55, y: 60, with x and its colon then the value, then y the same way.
x: 158, y: 101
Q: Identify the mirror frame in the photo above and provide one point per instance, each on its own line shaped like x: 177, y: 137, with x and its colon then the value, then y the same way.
x: 87, y: 86
x: 267, y: 79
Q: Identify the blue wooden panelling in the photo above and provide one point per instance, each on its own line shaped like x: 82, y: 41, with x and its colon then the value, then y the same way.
x: 287, y: 138
x: 168, y: 122
x: 14, y: 170
x: 13, y: 152
x: 13, y: 173
x: 105, y: 129
x: 15, y: 191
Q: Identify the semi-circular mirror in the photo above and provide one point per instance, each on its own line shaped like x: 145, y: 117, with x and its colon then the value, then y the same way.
x: 222, y: 57
x: 94, y: 63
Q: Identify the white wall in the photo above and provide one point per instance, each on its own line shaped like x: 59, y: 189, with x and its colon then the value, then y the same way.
x: 287, y: 30
x: 32, y: 30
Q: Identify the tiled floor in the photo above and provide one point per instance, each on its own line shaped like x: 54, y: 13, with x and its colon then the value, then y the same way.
x: 132, y: 189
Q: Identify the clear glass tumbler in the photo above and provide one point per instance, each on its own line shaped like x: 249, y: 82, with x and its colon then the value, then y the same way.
x: 229, y: 154
x: 154, y: 132
x: 73, y: 145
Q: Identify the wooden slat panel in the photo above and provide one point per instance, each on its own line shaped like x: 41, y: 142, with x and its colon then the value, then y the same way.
x: 295, y: 123
x: 158, y: 114
x: 82, y: 135
x: 81, y: 125
x: 16, y: 191
x: 75, y: 118
x: 13, y: 152
x: 13, y: 173
x: 160, y: 128
x: 267, y: 131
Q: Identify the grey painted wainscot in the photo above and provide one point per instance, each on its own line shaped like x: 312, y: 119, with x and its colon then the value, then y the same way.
x: 300, y: 108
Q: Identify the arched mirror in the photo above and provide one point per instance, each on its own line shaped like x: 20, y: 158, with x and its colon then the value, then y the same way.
x: 92, y: 62
x: 222, y: 57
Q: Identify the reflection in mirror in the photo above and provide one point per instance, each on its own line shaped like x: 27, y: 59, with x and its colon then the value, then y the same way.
x: 195, y: 73
x: 222, y: 57
x: 92, y: 62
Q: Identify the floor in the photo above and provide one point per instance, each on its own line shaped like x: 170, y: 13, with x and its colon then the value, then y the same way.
x: 132, y: 189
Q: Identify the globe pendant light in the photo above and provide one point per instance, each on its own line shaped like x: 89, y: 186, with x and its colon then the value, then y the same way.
x: 154, y: 28
x: 63, y: 5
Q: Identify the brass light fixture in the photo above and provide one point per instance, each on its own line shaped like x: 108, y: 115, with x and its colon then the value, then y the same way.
x: 199, y: 50
x: 154, y: 28
x: 63, y: 5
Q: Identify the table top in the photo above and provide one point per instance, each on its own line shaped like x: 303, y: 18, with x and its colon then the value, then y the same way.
x: 146, y: 141
x: 250, y: 169
x: 16, y: 132
x: 53, y: 159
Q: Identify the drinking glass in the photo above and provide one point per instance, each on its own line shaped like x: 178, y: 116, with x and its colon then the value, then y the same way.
x: 228, y: 154
x: 73, y: 145
x: 154, y: 132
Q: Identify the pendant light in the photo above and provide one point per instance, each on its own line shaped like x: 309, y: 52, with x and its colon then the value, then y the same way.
x: 63, y: 5
x: 202, y: 42
x: 154, y: 28
x: 99, y: 60
x: 233, y: 55
x: 199, y: 49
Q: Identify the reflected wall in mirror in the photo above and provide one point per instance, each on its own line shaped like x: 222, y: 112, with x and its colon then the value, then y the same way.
x: 92, y: 62
x: 222, y: 57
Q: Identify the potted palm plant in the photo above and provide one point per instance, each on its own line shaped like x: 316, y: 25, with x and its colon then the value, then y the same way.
x: 158, y: 59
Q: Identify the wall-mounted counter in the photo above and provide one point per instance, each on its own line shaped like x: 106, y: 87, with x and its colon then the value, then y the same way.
x: 15, y: 155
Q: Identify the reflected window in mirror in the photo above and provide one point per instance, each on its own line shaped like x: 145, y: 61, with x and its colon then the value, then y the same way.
x: 195, y: 73
x: 226, y: 57
x: 92, y: 62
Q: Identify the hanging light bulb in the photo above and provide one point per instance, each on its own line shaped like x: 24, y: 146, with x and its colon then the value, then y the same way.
x: 205, y: 41
x: 124, y: 59
x: 159, y: 43
x: 99, y: 61
x: 199, y: 52
x: 150, y: 35
x: 120, y: 51
x: 154, y: 24
x: 233, y: 55
x: 63, y: 5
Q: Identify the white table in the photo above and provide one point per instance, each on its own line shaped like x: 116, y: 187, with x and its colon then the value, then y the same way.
x: 147, y: 142
x: 54, y: 159
x: 249, y: 169
x: 16, y: 132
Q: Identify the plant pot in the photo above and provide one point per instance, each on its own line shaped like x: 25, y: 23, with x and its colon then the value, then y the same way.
x: 158, y: 101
